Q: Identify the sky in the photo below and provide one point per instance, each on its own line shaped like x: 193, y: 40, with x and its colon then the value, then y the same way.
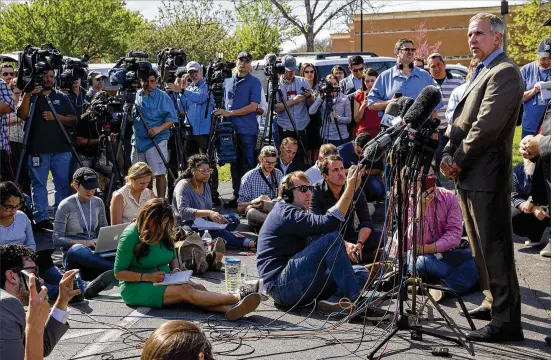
x: 149, y: 9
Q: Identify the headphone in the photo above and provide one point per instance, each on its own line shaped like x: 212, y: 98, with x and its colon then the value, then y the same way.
x: 287, y: 195
x: 401, y: 66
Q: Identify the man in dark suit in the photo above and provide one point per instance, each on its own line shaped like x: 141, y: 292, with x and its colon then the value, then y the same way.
x: 353, y: 82
x: 15, y: 293
x: 288, y: 162
x: 479, y: 157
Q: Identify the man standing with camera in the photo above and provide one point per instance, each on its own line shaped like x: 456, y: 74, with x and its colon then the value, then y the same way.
x: 242, y: 98
x: 96, y: 82
x: 159, y: 113
x: 47, y: 147
x: 77, y: 98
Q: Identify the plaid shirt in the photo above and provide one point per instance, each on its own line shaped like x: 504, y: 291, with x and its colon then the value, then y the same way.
x: 6, y: 96
x: 253, y: 185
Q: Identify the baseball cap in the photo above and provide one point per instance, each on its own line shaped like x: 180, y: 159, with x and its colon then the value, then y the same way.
x: 290, y: 63
x: 193, y: 65
x: 97, y: 75
x: 544, y: 48
x: 244, y: 54
x: 87, y: 177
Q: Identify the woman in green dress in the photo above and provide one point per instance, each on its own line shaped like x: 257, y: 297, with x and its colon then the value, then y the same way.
x: 145, y: 253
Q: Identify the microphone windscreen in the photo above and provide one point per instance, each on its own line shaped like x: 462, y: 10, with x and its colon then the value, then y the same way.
x: 405, y: 103
x: 423, y: 105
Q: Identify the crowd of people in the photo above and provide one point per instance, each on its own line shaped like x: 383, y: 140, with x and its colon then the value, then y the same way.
x: 295, y: 195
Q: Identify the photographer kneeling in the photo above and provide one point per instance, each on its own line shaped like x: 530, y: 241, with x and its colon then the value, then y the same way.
x: 334, y: 129
x: 301, y: 256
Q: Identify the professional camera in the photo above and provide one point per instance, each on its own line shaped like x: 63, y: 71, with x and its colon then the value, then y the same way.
x: 216, y: 74
x: 169, y: 60
x: 73, y: 70
x: 325, y: 88
x: 128, y: 70
x: 35, y: 62
x: 106, y: 110
x: 273, y: 67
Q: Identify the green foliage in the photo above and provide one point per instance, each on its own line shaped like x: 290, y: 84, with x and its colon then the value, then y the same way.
x: 516, y: 156
x: 99, y: 28
x: 526, y: 30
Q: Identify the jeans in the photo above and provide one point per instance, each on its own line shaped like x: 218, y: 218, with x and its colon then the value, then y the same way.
x: 58, y: 164
x: 456, y: 269
x: 52, y: 277
x: 374, y: 189
x: 91, y: 265
x: 246, y: 159
x: 322, y: 270
x: 231, y: 239
x: 443, y: 140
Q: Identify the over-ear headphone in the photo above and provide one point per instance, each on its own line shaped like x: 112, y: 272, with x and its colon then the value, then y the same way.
x: 287, y: 195
x: 401, y: 66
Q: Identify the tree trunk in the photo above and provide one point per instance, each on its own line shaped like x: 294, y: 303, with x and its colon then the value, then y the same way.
x: 310, y: 40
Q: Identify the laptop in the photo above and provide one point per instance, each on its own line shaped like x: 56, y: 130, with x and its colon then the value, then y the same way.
x: 108, y: 238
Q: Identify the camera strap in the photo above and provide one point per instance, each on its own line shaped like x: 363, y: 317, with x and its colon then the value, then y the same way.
x: 273, y: 185
x: 88, y: 225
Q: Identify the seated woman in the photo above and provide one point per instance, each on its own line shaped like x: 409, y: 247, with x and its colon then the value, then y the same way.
x: 192, y: 199
x: 177, y: 339
x: 440, y: 259
x: 127, y: 201
x: 76, y: 226
x: 145, y: 253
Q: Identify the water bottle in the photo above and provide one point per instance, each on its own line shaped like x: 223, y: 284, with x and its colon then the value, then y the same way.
x: 232, y: 274
x: 207, y: 239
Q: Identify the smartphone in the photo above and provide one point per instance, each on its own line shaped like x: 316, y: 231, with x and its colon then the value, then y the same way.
x: 27, y: 279
x: 397, y: 95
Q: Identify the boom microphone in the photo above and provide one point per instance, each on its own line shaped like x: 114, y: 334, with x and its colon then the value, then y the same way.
x: 423, y: 106
x: 406, y: 103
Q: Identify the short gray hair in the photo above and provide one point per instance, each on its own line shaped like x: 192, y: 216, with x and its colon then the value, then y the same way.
x: 269, y: 151
x: 496, y: 25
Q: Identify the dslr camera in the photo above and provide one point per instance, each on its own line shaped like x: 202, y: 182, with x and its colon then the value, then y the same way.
x: 73, y: 70
x: 129, y: 69
x: 273, y: 67
x: 169, y: 60
x: 216, y: 74
x: 35, y: 62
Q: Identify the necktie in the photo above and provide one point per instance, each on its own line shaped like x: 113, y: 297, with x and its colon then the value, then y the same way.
x: 476, y: 72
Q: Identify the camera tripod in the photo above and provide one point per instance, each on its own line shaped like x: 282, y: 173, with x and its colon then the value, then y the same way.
x: 328, y: 120
x: 276, y: 90
x: 27, y: 131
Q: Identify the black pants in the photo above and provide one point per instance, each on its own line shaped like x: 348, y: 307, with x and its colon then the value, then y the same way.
x: 6, y: 173
x: 528, y: 226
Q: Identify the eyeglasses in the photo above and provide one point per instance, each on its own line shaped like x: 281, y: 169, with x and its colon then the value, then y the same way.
x: 31, y: 269
x: 408, y: 49
x: 190, y: 72
x: 206, y: 171
x: 270, y: 163
x: 8, y: 73
x: 303, y: 188
x: 12, y: 207
x: 357, y: 70
x: 309, y: 71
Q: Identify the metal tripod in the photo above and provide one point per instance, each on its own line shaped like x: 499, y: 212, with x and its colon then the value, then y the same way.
x: 327, y: 121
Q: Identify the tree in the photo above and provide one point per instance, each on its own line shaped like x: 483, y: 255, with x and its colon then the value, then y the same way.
x: 320, y: 45
x: 423, y: 48
x: 99, y: 28
x: 320, y: 12
x: 526, y: 30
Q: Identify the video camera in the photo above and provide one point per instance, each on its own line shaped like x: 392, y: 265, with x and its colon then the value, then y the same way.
x: 34, y: 64
x: 216, y: 74
x: 107, y: 110
x: 325, y: 88
x: 273, y: 67
x: 169, y: 60
x: 128, y: 70
x: 73, y: 70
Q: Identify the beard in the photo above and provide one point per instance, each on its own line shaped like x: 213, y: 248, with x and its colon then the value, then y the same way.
x: 22, y: 293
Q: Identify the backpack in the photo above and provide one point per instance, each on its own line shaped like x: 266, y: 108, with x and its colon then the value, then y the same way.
x: 225, y: 143
x: 189, y: 248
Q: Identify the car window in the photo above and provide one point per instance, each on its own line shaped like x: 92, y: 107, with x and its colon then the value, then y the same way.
x: 458, y: 72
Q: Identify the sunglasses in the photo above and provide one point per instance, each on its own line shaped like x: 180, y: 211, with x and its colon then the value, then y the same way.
x: 303, y: 188
x: 408, y: 49
x: 309, y: 71
x: 12, y: 207
x: 357, y: 70
x: 8, y: 74
x: 206, y: 171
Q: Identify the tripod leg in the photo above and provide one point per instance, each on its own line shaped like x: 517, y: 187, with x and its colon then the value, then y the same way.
x: 26, y: 133
x: 293, y: 123
x: 383, y: 342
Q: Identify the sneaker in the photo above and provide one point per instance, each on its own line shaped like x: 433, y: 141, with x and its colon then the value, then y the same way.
x: 245, y: 306
x: 252, y: 287
x: 327, y: 307
x: 100, y: 283
x: 231, y: 204
x: 546, y: 251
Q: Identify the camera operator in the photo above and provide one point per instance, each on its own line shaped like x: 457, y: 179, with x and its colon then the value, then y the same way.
x: 96, y: 81
x: 77, y: 98
x: 242, y: 98
x: 341, y: 113
x: 299, y: 98
x: 47, y: 147
x: 7, y: 107
x: 159, y: 113
x: 34, y: 335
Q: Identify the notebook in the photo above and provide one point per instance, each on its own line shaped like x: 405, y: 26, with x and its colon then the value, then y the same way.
x: 181, y: 277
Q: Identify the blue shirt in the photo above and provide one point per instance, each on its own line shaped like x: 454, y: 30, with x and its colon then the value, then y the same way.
x: 348, y: 155
x: 240, y: 92
x: 298, y: 112
x: 357, y: 82
x: 194, y: 100
x: 392, y: 81
x: 491, y: 57
x: 533, y: 110
x: 157, y: 109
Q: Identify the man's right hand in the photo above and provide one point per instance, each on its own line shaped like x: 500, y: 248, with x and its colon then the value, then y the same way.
x: 446, y: 167
x: 298, y: 99
x: 39, y: 309
x: 66, y: 289
x: 154, y: 277
x: 351, y: 252
x: 526, y: 207
x: 540, y: 212
x: 354, y: 178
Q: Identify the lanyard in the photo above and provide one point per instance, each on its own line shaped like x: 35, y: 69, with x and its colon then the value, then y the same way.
x: 88, y: 225
x: 273, y: 185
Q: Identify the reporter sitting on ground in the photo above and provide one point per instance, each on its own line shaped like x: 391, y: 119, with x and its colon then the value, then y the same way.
x: 530, y: 213
x: 145, y: 253
x: 288, y: 161
x: 313, y: 173
x: 76, y: 226
x: 440, y: 259
x: 127, y: 201
x: 361, y: 243
x: 192, y: 199
x: 30, y: 339
x: 258, y: 185
x: 177, y: 339
x: 300, y: 248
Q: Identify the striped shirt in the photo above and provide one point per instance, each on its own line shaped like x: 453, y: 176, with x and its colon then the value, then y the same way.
x: 451, y: 82
x: 6, y: 97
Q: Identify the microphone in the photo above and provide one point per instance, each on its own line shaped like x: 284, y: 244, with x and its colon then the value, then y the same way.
x: 423, y: 106
x: 405, y: 102
x: 391, y: 112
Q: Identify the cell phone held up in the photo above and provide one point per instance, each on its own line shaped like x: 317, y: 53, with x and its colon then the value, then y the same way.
x: 27, y: 280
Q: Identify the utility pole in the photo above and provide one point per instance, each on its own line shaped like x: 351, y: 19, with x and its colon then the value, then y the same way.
x: 504, y: 11
x: 361, y: 26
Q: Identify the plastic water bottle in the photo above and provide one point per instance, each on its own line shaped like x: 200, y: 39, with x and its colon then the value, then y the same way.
x: 207, y: 239
x: 232, y: 274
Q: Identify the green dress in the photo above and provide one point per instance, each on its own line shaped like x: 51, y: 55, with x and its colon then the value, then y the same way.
x: 144, y: 293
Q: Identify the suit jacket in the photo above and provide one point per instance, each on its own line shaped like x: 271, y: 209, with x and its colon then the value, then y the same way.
x: 483, y: 127
x: 296, y: 165
x: 544, y: 150
x: 12, y: 329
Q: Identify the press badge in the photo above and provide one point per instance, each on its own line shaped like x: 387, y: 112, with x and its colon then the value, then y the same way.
x: 36, y: 160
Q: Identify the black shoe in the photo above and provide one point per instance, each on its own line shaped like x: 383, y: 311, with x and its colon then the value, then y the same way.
x: 231, y: 204
x: 479, y: 313
x: 100, y: 283
x: 491, y: 333
x: 245, y: 306
x: 216, y: 201
x: 43, y: 225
